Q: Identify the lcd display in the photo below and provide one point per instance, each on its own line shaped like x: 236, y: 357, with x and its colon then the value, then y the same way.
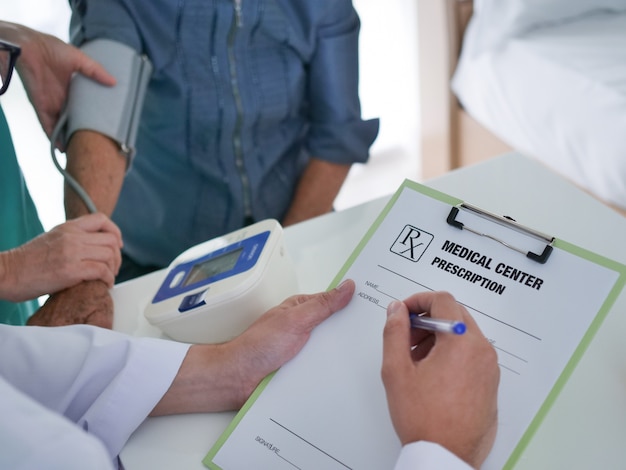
x: 213, y: 267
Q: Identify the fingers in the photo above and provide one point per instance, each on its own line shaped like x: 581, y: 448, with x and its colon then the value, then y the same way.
x: 98, y: 271
x: 337, y: 298
x: 403, y: 345
x: 279, y: 334
x: 396, y: 338
x: 103, y: 242
x: 318, y: 307
x: 94, y: 70
x: 98, y: 223
x: 324, y: 304
x: 441, y: 305
x: 99, y: 247
x: 437, y: 304
x: 83, y: 249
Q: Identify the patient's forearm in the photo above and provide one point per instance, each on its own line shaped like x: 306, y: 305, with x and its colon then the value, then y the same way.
x: 316, y: 191
x: 96, y: 163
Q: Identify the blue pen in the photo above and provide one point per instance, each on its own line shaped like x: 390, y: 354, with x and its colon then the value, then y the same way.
x: 437, y: 325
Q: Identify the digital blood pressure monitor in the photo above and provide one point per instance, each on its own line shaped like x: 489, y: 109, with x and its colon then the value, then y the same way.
x: 215, y: 290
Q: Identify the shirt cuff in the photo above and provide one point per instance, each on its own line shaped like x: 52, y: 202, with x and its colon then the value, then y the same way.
x: 428, y: 455
x: 342, y: 143
x: 145, y: 377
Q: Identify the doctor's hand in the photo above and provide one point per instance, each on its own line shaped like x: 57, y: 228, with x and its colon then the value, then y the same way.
x: 46, y: 66
x: 83, y: 249
x: 87, y: 303
x: 281, y: 332
x: 222, y: 377
x: 442, y: 387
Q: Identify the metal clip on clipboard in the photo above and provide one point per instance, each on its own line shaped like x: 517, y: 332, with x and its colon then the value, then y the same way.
x: 507, y: 222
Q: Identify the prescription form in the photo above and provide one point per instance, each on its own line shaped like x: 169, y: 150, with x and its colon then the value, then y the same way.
x: 327, y: 408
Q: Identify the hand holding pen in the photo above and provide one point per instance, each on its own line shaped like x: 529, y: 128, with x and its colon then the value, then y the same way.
x: 437, y: 325
x: 440, y: 387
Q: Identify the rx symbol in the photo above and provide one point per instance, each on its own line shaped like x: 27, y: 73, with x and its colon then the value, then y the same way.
x: 411, y: 243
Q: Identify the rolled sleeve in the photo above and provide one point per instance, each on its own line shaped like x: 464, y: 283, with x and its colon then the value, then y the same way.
x: 337, y: 132
x: 97, y: 19
x: 147, y: 27
x: 343, y: 143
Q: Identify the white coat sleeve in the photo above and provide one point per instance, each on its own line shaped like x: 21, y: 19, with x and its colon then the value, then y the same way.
x: 424, y: 455
x: 32, y: 436
x: 103, y: 381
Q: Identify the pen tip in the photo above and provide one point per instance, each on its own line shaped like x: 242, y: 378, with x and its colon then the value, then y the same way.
x: 459, y: 328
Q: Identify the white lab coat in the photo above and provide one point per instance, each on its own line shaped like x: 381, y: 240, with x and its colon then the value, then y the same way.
x: 427, y: 455
x: 70, y: 397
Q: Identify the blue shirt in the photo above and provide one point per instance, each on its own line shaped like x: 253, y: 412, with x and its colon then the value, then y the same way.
x: 234, y: 110
x: 19, y: 221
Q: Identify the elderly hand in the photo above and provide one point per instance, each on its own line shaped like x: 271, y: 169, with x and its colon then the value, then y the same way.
x: 88, y: 303
x: 440, y: 388
x: 46, y: 66
x: 83, y: 249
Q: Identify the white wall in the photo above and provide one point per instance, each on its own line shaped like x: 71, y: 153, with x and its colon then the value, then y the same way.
x: 389, y: 90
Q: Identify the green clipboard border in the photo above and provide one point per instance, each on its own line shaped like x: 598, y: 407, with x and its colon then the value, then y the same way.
x: 580, y: 349
x: 560, y: 382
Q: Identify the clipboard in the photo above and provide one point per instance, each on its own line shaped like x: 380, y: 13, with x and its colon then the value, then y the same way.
x: 506, y: 221
x: 456, y: 234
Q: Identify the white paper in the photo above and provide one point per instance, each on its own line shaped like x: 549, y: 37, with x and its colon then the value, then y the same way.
x: 326, y: 409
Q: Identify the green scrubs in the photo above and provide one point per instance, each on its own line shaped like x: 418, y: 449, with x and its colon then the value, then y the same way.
x: 19, y: 221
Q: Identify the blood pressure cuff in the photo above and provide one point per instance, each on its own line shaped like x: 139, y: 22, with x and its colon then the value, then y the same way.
x: 112, y: 111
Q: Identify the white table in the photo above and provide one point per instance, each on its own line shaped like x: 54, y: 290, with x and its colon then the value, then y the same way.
x: 586, y: 426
